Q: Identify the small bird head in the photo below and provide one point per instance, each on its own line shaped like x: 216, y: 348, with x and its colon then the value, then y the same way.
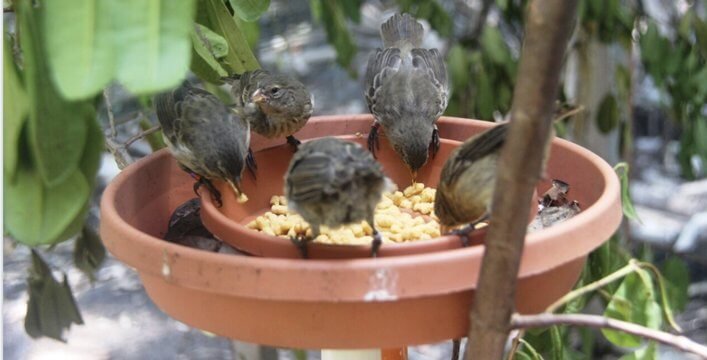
x: 412, y: 144
x: 230, y: 167
x: 283, y: 96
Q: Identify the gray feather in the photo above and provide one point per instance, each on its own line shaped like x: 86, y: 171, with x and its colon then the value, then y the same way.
x: 402, y: 31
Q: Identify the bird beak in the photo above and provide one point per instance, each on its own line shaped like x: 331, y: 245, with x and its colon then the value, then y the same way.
x: 413, y: 175
x: 240, y: 196
x: 258, y: 97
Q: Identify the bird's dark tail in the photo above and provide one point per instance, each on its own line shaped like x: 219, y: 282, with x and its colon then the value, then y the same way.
x: 400, y: 31
x: 164, y: 107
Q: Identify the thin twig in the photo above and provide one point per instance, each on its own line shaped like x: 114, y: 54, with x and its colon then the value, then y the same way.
x: 596, y: 321
x: 141, y: 135
x: 119, y: 151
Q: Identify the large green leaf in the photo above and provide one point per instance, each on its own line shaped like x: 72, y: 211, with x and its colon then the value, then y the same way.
x: 494, y: 46
x: 249, y: 10
x: 334, y: 20
x: 214, y: 15
x: 79, y: 44
x: 154, y: 42
x: 57, y: 130
x: 634, y: 301
x: 15, y: 113
x: 36, y: 214
x: 458, y: 67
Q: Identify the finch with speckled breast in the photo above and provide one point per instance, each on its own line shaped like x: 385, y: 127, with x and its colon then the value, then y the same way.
x: 406, y: 90
x: 334, y: 182
x: 208, y: 139
x: 276, y: 105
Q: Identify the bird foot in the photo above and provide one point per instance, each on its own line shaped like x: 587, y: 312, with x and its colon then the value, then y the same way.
x: 376, y: 243
x: 373, y: 140
x: 464, y: 232
x: 294, y: 142
x: 250, y: 163
x: 435, y: 143
x: 301, y: 241
x: 215, y: 194
x: 456, y: 348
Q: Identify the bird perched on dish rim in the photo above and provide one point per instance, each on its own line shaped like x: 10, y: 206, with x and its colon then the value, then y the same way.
x: 334, y: 182
x: 406, y: 89
x: 208, y: 139
x: 276, y: 105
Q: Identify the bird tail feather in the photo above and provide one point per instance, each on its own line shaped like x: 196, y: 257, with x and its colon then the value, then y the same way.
x: 402, y: 30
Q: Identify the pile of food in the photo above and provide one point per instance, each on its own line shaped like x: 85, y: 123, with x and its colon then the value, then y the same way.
x: 401, y: 216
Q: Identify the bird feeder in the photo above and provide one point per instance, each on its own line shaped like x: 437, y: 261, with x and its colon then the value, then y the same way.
x: 399, y: 299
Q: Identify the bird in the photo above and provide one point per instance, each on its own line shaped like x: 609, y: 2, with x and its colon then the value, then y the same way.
x: 276, y: 105
x: 467, y: 180
x: 406, y: 90
x: 206, y: 137
x: 334, y: 182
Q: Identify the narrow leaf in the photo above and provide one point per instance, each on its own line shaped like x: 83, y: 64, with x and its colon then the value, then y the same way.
x: 634, y: 301
x: 622, y: 170
x: 15, y: 113
x: 57, y: 130
x: 249, y: 10
x: 214, y: 15
x: 608, y: 114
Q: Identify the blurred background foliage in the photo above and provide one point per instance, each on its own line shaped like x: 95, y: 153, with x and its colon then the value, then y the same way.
x: 59, y: 57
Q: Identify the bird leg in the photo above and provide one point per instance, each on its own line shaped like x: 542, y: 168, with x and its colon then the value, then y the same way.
x: 435, y: 143
x: 250, y: 163
x: 456, y: 347
x: 376, y: 243
x: 464, y: 232
x: 215, y: 194
x: 373, y: 141
x: 300, y: 241
x: 293, y: 141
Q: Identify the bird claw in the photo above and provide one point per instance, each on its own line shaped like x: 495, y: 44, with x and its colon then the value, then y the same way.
x: 376, y: 243
x: 294, y: 142
x: 250, y: 163
x: 373, y: 140
x: 215, y: 194
x: 435, y: 143
x: 300, y: 242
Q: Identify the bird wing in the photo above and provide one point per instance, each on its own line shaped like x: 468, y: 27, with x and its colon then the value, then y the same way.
x: 309, y: 176
x: 431, y: 63
x: 381, y: 65
x: 472, y: 150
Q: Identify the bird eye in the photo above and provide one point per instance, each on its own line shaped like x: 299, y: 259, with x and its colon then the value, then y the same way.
x: 274, y: 90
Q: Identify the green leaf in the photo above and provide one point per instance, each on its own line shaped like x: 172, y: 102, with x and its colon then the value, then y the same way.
x: 56, y: 128
x: 39, y: 214
x: 646, y: 353
x: 558, y: 348
x: 352, y: 9
x: 622, y: 170
x: 251, y: 31
x: 79, y: 45
x: 51, y: 307
x: 634, y: 301
x: 484, y: 97
x: 154, y: 42
x: 458, y: 67
x: 700, y: 34
x: 677, y: 277
x: 494, y: 46
x: 214, y: 15
x: 338, y: 35
x: 204, y: 62
x: 249, y: 10
x: 608, y: 115
x: 89, y: 252
x: 16, y: 109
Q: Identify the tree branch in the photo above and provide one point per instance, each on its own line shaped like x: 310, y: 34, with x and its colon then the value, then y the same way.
x: 596, y: 321
x: 548, y: 27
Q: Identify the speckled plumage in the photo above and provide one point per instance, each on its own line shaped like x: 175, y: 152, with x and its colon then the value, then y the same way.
x: 406, y: 89
x: 334, y: 182
x: 203, y: 134
x: 286, y: 105
x: 467, y: 181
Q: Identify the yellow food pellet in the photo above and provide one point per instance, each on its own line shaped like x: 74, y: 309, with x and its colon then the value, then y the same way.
x: 398, y: 219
